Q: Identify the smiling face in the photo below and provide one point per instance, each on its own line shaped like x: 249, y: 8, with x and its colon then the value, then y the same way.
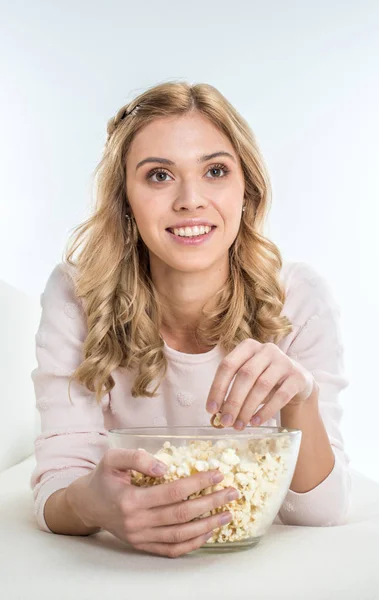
x: 187, y: 184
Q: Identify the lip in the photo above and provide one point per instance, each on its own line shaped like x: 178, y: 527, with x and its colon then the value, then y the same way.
x: 191, y: 223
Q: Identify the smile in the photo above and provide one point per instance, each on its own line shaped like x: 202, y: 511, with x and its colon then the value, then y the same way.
x: 191, y: 235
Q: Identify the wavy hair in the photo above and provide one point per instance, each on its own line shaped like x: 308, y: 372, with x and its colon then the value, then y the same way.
x: 112, y: 274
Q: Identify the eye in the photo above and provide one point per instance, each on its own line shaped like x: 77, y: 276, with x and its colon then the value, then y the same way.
x: 159, y: 170
x: 219, y: 167
x: 155, y: 172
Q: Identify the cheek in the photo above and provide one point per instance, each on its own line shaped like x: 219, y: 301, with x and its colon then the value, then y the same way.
x: 232, y: 220
x: 150, y: 223
x: 232, y: 228
x: 146, y: 207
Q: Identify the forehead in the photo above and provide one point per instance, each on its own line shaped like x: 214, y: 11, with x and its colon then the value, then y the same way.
x: 190, y: 134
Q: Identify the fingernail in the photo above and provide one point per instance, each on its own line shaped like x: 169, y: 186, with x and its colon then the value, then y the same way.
x: 255, y: 420
x: 239, y: 424
x: 159, y: 468
x: 232, y: 495
x: 226, y: 518
x: 226, y: 420
x: 217, y: 477
x: 207, y: 536
x: 212, y: 407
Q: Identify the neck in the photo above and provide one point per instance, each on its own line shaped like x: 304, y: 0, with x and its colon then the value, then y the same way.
x: 183, y: 296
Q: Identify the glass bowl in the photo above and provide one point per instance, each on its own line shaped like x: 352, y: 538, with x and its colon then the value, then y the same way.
x: 258, y: 461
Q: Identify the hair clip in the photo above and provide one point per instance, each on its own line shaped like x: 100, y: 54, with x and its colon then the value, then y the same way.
x: 126, y: 113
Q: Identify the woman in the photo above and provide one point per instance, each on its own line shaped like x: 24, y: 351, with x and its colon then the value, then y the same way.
x: 175, y: 298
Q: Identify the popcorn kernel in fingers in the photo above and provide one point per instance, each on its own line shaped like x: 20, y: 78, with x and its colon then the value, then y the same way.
x: 216, y: 421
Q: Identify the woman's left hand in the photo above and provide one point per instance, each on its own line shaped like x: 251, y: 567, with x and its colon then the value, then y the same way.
x: 264, y: 375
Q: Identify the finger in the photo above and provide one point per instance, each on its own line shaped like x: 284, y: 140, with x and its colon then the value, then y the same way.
x: 185, y: 511
x: 121, y: 459
x: 239, y: 427
x: 245, y: 381
x: 177, y: 534
x: 175, y: 550
x: 281, y: 397
x: 226, y: 370
x: 262, y: 392
x: 176, y: 491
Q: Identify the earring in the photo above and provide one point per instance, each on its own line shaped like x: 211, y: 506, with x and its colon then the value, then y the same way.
x: 243, y: 209
x: 132, y: 230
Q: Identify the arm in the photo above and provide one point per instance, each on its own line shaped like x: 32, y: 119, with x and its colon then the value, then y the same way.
x: 60, y: 515
x: 316, y: 457
x: 73, y: 438
x: 320, y: 491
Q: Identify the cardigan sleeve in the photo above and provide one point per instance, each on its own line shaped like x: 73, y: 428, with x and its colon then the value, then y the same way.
x: 73, y: 438
x: 318, y: 347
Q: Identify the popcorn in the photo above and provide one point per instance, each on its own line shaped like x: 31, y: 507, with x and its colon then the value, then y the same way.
x: 254, y: 466
x: 213, y: 463
x: 201, y: 465
x: 229, y: 457
x: 216, y: 421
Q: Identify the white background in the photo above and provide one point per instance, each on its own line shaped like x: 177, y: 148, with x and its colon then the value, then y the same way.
x: 304, y: 74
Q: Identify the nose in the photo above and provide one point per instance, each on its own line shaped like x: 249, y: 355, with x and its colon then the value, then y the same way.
x: 189, y: 200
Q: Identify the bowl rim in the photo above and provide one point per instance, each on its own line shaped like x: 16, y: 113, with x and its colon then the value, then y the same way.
x: 208, y: 431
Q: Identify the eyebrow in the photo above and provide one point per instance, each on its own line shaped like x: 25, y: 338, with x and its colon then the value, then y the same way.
x: 166, y: 161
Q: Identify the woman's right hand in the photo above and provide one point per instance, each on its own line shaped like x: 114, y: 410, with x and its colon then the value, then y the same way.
x: 156, y: 519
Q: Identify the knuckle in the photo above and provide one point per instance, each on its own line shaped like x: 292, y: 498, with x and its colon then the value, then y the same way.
x: 181, y: 513
x: 270, y: 347
x: 175, y: 492
x: 127, y: 502
x: 231, y: 402
x: 177, y: 536
x: 299, y: 379
x: 138, y: 457
x: 246, y: 371
x: 127, y: 506
x: 133, y: 538
x: 132, y: 495
x: 293, y: 369
x: 265, y: 383
x: 129, y: 525
x: 133, y: 525
x: 283, y: 394
x: 227, y: 364
x: 249, y: 342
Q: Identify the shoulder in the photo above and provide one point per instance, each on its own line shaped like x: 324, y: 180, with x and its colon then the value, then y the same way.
x: 308, y: 291
x: 60, y: 286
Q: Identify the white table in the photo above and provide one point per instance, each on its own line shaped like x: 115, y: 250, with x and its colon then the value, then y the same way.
x: 304, y: 563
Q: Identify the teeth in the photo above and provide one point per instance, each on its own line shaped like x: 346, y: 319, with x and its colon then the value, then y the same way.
x: 192, y: 231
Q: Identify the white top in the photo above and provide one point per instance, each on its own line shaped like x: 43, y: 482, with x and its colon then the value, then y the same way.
x: 74, y: 438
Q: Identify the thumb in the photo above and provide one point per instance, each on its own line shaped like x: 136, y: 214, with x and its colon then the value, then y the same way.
x: 138, y: 459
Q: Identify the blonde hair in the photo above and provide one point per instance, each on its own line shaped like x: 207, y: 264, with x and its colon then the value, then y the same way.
x: 112, y: 275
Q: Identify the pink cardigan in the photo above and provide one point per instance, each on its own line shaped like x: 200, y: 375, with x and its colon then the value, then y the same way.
x: 74, y: 437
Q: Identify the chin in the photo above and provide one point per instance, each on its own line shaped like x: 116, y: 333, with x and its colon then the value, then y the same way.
x: 190, y: 264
